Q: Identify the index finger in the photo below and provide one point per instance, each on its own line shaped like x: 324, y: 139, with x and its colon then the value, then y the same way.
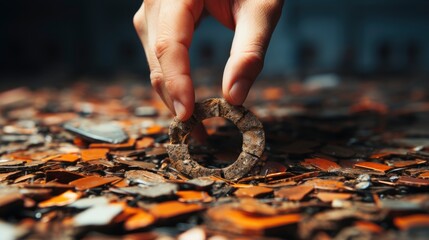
x: 175, y: 30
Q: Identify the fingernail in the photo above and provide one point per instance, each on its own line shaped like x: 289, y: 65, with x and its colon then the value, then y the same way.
x: 179, y: 109
x: 239, y: 90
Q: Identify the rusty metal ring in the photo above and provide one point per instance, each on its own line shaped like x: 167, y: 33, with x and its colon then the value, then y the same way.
x: 250, y: 127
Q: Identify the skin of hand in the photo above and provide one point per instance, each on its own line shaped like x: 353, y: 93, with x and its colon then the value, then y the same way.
x: 166, y: 27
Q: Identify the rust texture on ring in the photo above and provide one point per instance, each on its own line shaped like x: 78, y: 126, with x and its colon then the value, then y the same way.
x: 250, y: 127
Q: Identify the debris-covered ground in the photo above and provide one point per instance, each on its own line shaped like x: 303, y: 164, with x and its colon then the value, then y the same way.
x: 90, y: 162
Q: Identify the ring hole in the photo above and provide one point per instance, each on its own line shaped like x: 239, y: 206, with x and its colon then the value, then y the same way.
x: 224, y: 142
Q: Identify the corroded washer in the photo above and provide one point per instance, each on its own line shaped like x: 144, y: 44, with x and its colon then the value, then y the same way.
x: 250, y: 127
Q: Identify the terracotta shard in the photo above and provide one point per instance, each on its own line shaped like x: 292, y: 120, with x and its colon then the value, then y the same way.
x: 325, y: 184
x: 323, y: 164
x: 163, y: 190
x: 424, y: 175
x: 330, y: 196
x: 379, y: 167
x: 172, y: 209
x: 92, y: 182
x: 61, y: 200
x: 97, y: 216
x: 93, y: 154
x: 296, y: 193
x: 253, y: 192
x: 236, y: 221
x: 407, y: 163
x: 144, y: 177
x: 70, y: 157
x: 193, y: 196
x: 414, y: 182
x: 141, y: 219
x: 255, y: 207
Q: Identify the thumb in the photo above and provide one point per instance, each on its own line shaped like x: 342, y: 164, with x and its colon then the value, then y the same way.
x: 255, y: 22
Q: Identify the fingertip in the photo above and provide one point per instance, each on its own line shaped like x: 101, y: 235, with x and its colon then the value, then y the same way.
x: 237, y: 94
x: 183, y: 112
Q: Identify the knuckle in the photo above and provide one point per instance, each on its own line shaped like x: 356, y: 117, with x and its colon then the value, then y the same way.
x: 156, y: 79
x: 161, y: 47
x: 138, y: 21
x: 254, y: 59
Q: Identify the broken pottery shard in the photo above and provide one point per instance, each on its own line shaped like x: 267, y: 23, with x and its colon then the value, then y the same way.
x: 330, y: 196
x: 226, y: 218
x: 89, y: 202
x: 163, y: 190
x: 98, y: 215
x: 379, y: 167
x: 253, y: 192
x: 325, y: 184
x: 92, y: 182
x: 295, y: 193
x: 201, y: 182
x: 93, y: 154
x: 98, y: 132
x: 250, y: 127
x: 61, y: 200
x: 414, y: 182
x: 193, y: 196
x: 144, y: 177
x: 173, y: 209
x: 141, y: 219
x: 323, y: 164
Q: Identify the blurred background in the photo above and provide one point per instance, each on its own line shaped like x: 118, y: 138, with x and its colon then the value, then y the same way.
x: 55, y: 42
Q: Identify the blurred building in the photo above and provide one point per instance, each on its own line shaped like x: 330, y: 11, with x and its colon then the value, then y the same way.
x: 96, y: 37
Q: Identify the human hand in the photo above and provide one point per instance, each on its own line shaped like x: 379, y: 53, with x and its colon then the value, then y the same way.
x: 166, y: 27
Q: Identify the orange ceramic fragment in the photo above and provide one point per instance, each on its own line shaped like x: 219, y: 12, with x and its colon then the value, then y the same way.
x: 424, y: 175
x: 93, y: 153
x: 406, y: 163
x: 239, y: 221
x: 127, y: 145
x: 61, y: 200
x: 411, y: 221
x: 172, y: 209
x: 330, y: 196
x: 139, y: 220
x: 92, y: 182
x: 323, y: 164
x: 145, y: 143
x: 296, y: 193
x: 325, y: 184
x: 253, y: 206
x: 379, y: 167
x: 121, y: 183
x: 410, y: 181
x: 69, y: 157
x: 193, y: 196
x: 254, y: 191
